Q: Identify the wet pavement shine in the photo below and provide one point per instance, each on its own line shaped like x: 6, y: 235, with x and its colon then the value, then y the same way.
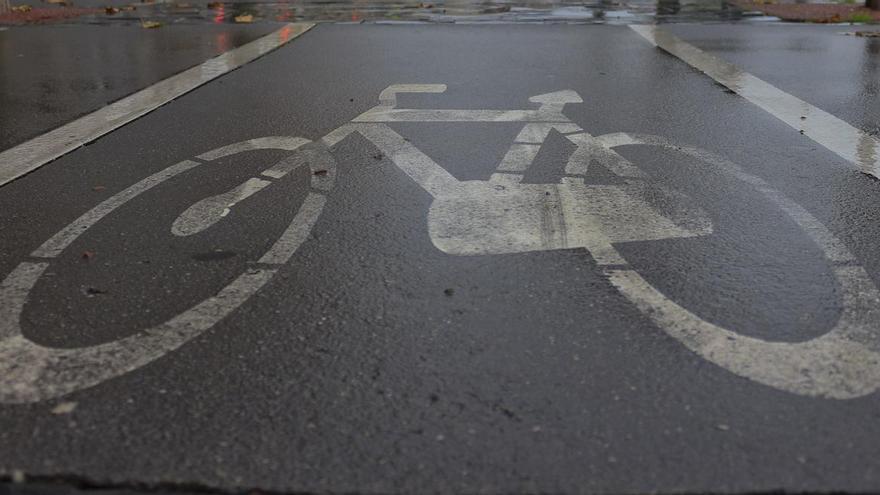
x: 50, y: 75
x: 465, y: 289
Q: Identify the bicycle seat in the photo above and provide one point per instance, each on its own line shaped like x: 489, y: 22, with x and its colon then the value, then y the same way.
x: 482, y: 217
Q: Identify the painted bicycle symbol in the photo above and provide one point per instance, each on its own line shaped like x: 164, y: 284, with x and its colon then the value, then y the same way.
x: 500, y: 215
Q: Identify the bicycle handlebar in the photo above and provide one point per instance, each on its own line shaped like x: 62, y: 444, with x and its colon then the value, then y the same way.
x: 388, y: 96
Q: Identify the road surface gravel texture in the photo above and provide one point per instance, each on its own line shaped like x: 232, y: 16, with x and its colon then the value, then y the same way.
x: 374, y: 361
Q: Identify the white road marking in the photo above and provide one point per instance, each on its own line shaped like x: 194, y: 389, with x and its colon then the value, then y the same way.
x: 297, y: 232
x: 481, y: 218
x: 269, y: 142
x: 841, y: 364
x: 485, y: 217
x: 65, y: 236
x: 504, y: 216
x: 30, y: 372
x: 537, y: 133
x: 550, y: 109
x: 419, y: 167
x: 210, y: 210
x: 416, y: 115
x: 589, y: 149
x: 35, y: 153
x: 519, y: 157
x: 848, y: 142
x: 388, y: 96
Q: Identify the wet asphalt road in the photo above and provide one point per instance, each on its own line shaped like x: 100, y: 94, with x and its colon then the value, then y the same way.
x: 50, y: 75
x: 846, y: 83
x: 375, y: 362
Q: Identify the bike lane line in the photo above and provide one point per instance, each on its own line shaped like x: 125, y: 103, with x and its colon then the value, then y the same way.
x: 31, y: 155
x: 845, y: 140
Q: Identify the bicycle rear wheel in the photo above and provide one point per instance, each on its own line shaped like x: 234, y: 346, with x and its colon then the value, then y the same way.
x: 843, y: 363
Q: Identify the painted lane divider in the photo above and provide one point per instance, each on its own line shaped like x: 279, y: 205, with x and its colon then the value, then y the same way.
x: 848, y: 142
x: 31, y: 155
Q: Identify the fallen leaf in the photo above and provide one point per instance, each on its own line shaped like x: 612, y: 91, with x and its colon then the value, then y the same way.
x: 109, y: 11
x: 150, y: 24
x: 101, y: 188
x: 87, y: 255
x: 129, y: 7
x: 64, y: 408
x: 22, y: 8
x: 244, y: 18
x: 320, y: 172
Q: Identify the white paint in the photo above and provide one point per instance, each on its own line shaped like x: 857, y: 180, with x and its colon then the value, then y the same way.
x: 848, y: 142
x: 589, y: 149
x: 210, y: 210
x: 68, y: 234
x: 269, y: 142
x: 388, y: 96
x: 498, y: 216
x: 550, y: 110
x: 297, y: 232
x: 415, y: 115
x: 519, y: 157
x: 841, y: 364
x: 537, y: 133
x: 35, y: 153
x: 418, y: 166
x: 32, y: 372
x: 557, y: 98
x: 479, y: 218
x: 504, y: 216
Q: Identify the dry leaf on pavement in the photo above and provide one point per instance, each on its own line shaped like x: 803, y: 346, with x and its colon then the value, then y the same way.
x: 64, y: 408
x: 150, y: 24
x: 244, y: 18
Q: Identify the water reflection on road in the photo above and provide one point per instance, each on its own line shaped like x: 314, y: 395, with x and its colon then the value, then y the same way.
x: 568, y: 11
